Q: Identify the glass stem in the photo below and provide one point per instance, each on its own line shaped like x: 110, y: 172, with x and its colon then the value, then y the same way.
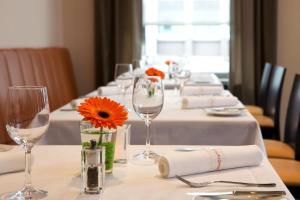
x: 123, y: 94
x: 27, y: 166
x: 181, y: 87
x: 148, y: 137
x: 176, y: 86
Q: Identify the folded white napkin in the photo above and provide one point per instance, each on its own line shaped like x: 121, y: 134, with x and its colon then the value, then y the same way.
x: 190, y: 90
x: 111, y: 90
x: 11, y: 160
x: 201, y: 78
x: 189, y: 102
x: 206, y: 160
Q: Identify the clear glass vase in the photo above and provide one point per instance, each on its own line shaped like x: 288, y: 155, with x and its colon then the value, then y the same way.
x: 104, y: 137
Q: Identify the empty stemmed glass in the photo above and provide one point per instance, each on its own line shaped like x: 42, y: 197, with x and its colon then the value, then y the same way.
x: 123, y: 77
x: 147, y: 100
x: 27, y: 120
x: 183, y: 76
x: 174, y: 70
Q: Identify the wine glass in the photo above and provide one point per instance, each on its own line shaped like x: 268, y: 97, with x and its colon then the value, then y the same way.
x: 27, y: 119
x: 183, y: 76
x: 174, y: 70
x: 123, y: 77
x: 147, y: 100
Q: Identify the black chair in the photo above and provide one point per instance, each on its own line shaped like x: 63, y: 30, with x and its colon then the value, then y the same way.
x: 278, y: 149
x: 262, y: 93
x: 269, y: 122
x: 289, y: 170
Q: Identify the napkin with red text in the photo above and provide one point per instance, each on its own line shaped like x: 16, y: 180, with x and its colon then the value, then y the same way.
x: 208, y: 159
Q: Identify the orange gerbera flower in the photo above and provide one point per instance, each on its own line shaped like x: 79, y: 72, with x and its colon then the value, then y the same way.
x: 103, y: 112
x: 170, y: 62
x: 155, y: 72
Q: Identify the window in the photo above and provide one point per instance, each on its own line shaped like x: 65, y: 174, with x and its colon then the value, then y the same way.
x: 195, y: 31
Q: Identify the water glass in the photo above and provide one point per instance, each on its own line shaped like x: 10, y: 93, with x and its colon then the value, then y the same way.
x: 122, y: 143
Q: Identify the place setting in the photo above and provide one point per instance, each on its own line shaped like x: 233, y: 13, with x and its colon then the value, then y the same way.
x: 189, y: 164
x: 212, y: 99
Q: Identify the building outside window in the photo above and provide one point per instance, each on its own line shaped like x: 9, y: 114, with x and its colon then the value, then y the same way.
x: 194, y: 32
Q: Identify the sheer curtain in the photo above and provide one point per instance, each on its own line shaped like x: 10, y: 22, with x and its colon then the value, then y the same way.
x: 118, y: 35
x: 252, y: 43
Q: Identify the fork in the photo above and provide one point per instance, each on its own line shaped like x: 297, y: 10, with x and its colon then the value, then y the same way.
x: 203, y: 184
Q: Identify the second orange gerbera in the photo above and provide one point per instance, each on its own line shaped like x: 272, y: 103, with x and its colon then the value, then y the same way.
x: 170, y: 62
x: 155, y: 72
x: 103, y: 112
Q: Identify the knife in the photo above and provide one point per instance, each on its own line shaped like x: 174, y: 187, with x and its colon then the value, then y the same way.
x: 67, y: 109
x: 239, y: 192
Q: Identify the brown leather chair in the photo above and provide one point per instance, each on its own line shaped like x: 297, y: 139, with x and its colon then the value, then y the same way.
x: 50, y: 67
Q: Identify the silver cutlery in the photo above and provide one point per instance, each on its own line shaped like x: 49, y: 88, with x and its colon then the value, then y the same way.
x: 203, y: 184
x: 73, y: 105
x: 68, y: 109
x: 227, y: 108
x: 239, y: 192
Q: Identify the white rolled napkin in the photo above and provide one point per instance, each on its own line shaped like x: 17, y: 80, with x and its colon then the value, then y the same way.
x: 111, y: 90
x: 206, y: 160
x: 190, y: 90
x: 201, y: 78
x: 12, y: 160
x: 189, y: 102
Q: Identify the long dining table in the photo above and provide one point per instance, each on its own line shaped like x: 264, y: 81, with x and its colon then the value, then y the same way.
x: 56, y: 169
x: 173, y: 126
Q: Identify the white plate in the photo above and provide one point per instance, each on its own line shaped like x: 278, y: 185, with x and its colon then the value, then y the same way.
x: 224, y: 111
x: 185, y: 149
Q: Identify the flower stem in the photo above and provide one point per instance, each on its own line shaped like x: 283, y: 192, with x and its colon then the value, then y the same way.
x: 100, y: 136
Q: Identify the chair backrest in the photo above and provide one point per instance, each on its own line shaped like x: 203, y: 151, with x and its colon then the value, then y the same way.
x: 272, y: 107
x: 50, y: 67
x: 264, y: 85
x: 293, y: 113
x: 297, y: 140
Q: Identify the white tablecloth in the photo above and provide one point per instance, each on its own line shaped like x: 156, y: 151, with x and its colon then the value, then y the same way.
x: 57, y: 168
x: 172, y: 126
x: 204, y: 79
